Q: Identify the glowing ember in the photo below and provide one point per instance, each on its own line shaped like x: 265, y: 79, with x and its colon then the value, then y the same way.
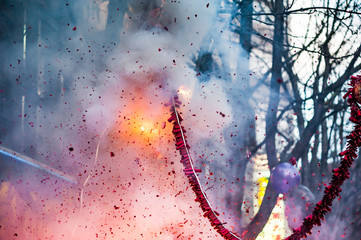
x: 185, y: 92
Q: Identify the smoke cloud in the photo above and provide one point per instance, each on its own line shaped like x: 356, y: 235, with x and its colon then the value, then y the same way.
x: 94, y: 109
x: 84, y: 89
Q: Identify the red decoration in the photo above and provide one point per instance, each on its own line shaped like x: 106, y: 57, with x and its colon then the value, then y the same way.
x: 341, y: 173
x: 190, y: 171
x: 332, y: 191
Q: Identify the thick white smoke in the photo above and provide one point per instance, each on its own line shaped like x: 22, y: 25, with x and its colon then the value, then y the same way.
x: 109, y: 129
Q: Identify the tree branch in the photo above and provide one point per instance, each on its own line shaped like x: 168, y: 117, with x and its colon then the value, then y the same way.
x: 302, y: 10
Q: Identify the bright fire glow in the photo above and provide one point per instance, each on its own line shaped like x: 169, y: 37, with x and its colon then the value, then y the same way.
x: 148, y: 128
x: 185, y: 92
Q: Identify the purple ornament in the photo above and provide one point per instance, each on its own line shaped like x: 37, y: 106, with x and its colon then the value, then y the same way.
x: 300, y: 202
x: 284, y: 177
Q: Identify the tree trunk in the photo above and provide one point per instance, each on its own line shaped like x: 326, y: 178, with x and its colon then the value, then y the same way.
x: 244, y: 114
x: 116, y: 11
x: 270, y: 198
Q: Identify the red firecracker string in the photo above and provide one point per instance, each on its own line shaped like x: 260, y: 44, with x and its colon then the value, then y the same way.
x: 190, y: 171
x: 341, y: 173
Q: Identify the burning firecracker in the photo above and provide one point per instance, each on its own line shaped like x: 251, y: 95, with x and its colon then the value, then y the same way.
x: 191, y: 172
x: 332, y: 191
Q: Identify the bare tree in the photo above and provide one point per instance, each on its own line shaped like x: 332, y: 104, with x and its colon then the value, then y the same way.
x: 330, y: 52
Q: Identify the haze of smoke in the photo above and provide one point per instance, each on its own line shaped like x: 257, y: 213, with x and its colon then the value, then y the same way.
x: 136, y: 188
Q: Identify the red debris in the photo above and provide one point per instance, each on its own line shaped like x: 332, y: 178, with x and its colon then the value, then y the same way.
x: 293, y: 160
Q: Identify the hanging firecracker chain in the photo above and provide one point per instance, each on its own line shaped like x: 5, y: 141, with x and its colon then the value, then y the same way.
x: 332, y: 191
x: 341, y: 173
x: 191, y: 172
